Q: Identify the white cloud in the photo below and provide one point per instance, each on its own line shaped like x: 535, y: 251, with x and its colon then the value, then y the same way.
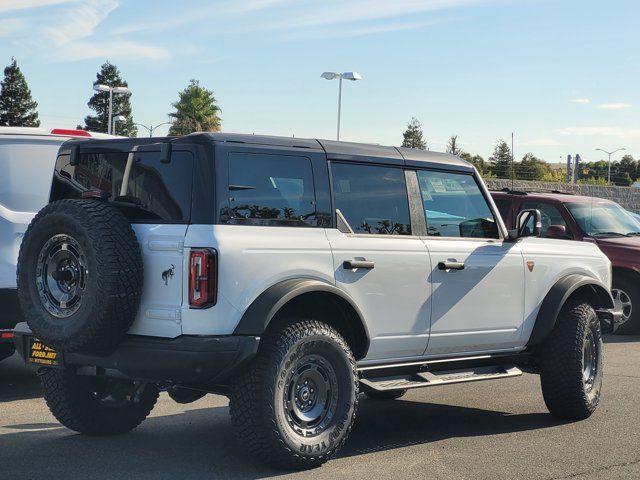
x: 581, y: 100
x: 9, y: 26
x: 81, y: 21
x: 295, y: 16
x: 618, y: 132
x: 614, y: 106
x: 76, y: 34
x: 357, y: 31
x: 340, y: 12
x: 114, y: 50
x: 12, y: 5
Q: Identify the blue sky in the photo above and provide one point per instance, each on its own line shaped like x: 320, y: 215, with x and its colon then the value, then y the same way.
x: 563, y: 75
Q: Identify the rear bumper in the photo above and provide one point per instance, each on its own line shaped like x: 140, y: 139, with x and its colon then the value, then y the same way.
x: 186, y: 359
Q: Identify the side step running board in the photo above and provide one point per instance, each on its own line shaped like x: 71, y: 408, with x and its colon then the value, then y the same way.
x: 430, y: 379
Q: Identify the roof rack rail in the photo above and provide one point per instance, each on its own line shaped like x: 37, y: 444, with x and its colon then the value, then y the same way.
x: 532, y: 190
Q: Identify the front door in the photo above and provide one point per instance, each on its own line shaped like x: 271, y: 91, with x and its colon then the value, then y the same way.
x: 476, y: 276
x: 380, y: 264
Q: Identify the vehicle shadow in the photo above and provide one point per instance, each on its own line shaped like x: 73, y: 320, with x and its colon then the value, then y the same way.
x: 198, y: 443
x: 621, y: 338
x: 17, y: 381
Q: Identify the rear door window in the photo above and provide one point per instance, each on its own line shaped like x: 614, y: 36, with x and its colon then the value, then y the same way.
x: 274, y: 190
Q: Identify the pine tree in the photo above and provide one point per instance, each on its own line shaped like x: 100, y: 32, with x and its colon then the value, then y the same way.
x: 110, y: 75
x: 413, y: 137
x: 501, y: 164
x: 196, y: 111
x: 453, y: 147
x: 17, y: 108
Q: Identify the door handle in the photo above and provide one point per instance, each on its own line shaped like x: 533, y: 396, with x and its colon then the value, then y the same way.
x: 352, y: 264
x: 451, y: 266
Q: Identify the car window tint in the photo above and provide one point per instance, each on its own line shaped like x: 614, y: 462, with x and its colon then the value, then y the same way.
x: 271, y: 190
x: 153, y: 190
x: 373, y: 199
x: 550, y: 215
x: 455, y: 206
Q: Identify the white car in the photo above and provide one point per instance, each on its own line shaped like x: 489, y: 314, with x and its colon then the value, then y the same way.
x: 27, y: 158
x: 291, y: 274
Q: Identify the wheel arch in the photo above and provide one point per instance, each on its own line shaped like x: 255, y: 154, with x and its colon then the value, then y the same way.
x: 307, y: 297
x: 568, y: 287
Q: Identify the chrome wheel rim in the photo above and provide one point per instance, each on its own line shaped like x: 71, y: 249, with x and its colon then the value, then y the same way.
x: 61, y: 275
x: 310, y: 398
x: 589, y: 361
x: 622, y: 304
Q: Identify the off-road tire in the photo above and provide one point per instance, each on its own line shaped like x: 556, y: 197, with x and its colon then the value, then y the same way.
x: 112, y: 285
x: 630, y: 287
x: 258, y: 398
x: 562, y: 359
x: 71, y: 400
x: 386, y: 394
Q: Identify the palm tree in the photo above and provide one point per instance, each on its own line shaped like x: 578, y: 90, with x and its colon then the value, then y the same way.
x: 196, y: 111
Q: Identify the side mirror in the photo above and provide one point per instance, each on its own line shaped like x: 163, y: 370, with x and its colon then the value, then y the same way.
x: 528, y: 224
x: 557, y: 231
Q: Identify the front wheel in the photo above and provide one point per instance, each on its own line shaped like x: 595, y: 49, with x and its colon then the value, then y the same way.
x: 295, y: 404
x: 571, y: 362
x: 96, y: 405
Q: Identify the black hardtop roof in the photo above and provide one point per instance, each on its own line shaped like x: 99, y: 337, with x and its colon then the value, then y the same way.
x: 335, y: 150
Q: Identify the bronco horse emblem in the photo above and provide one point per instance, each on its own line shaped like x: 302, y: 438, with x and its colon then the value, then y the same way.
x: 168, y: 274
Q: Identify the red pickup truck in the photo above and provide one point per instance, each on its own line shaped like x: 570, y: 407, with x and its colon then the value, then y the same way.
x: 589, y: 219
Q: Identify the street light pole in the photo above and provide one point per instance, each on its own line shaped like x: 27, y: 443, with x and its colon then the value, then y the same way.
x: 106, y: 88
x: 339, y: 106
x: 110, y: 128
x: 353, y: 76
x: 610, y: 153
x: 151, y: 128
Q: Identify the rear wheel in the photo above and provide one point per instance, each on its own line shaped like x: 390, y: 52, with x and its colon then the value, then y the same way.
x: 571, y: 362
x: 626, y: 299
x: 295, y: 404
x: 96, y: 405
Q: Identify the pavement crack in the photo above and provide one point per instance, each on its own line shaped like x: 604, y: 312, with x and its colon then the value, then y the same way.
x: 596, y: 470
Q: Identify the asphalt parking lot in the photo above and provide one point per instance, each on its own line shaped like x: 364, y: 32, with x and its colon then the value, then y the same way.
x: 487, y: 430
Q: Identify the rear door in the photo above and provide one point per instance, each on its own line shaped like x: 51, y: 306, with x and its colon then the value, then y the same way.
x: 380, y: 263
x: 156, y: 198
x: 476, y: 276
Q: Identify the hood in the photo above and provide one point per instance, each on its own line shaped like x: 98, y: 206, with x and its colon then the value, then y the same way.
x: 619, y: 242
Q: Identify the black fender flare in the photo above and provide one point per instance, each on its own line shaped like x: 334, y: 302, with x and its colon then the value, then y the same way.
x: 264, y: 308
x: 556, y: 298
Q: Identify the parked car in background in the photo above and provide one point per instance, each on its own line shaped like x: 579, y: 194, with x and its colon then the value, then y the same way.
x: 615, y: 230
x: 27, y: 160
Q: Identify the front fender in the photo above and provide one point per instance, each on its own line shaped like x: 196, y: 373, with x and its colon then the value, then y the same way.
x: 557, y: 296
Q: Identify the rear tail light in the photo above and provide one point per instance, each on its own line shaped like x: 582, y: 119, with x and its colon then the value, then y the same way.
x: 6, y: 335
x: 203, y: 278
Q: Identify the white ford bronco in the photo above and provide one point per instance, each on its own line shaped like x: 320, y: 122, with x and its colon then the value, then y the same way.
x: 293, y: 275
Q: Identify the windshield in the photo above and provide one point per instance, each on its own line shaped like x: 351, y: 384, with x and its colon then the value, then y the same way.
x: 604, y: 219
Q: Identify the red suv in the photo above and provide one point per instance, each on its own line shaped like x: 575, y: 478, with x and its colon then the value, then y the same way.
x: 589, y: 219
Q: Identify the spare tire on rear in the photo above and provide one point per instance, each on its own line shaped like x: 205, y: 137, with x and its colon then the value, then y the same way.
x: 80, y: 275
